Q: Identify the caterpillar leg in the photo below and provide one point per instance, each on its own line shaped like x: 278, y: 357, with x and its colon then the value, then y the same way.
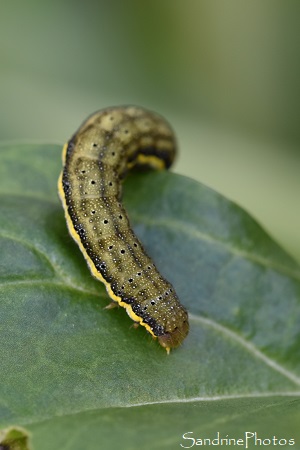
x: 111, y: 305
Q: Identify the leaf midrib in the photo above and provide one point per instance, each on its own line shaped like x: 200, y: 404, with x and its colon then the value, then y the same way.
x: 167, y: 402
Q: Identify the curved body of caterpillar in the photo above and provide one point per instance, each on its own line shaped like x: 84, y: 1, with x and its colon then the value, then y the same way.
x: 95, y: 160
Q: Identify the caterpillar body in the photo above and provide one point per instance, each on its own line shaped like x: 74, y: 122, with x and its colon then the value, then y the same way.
x: 95, y: 160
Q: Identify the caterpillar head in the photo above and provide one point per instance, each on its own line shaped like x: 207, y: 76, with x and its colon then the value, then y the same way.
x: 173, y: 338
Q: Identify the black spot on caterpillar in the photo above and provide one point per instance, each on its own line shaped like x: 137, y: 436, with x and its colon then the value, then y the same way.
x: 95, y: 160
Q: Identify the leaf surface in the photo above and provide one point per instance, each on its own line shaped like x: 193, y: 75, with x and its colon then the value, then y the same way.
x: 66, y: 362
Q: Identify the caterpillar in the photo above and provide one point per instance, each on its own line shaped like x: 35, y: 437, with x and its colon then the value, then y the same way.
x: 95, y: 161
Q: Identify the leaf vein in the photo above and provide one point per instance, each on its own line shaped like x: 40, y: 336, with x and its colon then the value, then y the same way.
x: 248, y: 345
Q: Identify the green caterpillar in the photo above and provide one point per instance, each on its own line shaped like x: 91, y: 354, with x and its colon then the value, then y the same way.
x: 95, y: 160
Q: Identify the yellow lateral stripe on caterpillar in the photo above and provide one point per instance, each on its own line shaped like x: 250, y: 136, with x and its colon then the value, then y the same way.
x: 95, y: 160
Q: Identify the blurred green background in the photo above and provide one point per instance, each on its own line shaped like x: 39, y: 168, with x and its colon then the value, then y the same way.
x: 224, y: 73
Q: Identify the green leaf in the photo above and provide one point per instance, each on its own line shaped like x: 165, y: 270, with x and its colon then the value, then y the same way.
x: 14, y: 438
x: 68, y: 364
